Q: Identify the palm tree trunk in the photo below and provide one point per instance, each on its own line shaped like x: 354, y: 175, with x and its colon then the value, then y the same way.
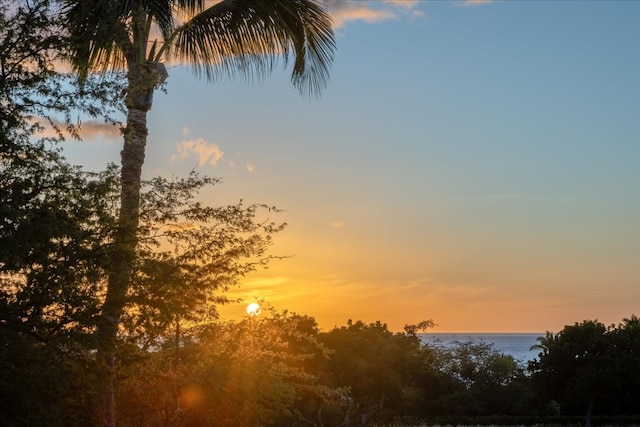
x: 132, y: 158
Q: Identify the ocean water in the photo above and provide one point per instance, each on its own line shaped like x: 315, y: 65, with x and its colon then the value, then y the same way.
x: 517, y: 345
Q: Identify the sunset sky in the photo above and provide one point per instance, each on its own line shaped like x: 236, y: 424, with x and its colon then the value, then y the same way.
x: 473, y: 163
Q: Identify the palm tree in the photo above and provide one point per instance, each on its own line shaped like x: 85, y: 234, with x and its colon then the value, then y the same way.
x: 545, y: 343
x: 216, y: 38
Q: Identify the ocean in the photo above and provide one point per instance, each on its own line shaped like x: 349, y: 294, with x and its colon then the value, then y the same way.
x: 516, y: 345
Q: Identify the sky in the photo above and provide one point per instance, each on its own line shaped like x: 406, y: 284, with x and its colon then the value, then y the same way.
x: 473, y: 163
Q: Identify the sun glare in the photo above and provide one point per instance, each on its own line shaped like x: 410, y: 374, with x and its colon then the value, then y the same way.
x: 254, y: 309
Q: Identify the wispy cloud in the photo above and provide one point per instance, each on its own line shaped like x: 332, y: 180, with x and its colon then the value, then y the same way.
x: 330, y: 279
x: 88, y: 129
x: 251, y: 167
x: 267, y: 288
x: 344, y: 15
x: 207, y: 153
x: 474, y: 2
x: 407, y: 4
x: 336, y: 224
x: 92, y: 128
x: 345, y: 11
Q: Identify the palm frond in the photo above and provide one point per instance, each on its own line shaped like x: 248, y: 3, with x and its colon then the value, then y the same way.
x: 161, y: 13
x: 98, y: 34
x: 190, y: 6
x: 251, y: 35
x: 245, y: 36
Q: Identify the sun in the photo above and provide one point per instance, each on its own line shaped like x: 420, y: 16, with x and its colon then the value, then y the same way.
x: 254, y: 309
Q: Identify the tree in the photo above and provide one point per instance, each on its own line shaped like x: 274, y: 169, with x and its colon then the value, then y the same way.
x: 474, y: 380
x: 58, y: 227
x: 50, y: 236
x: 545, y: 343
x: 188, y: 254
x: 624, y: 364
x: 232, y: 35
x: 590, y: 369
x: 569, y: 367
x: 31, y: 91
x: 376, y: 368
x: 51, y: 264
x: 55, y: 240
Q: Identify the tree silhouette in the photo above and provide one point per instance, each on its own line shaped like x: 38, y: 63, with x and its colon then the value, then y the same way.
x: 545, y: 343
x: 137, y: 37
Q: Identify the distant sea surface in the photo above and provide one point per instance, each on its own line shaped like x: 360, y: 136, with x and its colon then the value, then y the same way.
x: 516, y: 345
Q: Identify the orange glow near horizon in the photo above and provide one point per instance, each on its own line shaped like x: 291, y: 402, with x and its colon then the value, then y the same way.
x: 453, y: 309
x: 461, y: 291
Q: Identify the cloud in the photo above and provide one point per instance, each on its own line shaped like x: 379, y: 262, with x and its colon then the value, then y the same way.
x: 186, y: 130
x: 355, y: 13
x: 92, y: 128
x: 251, y: 167
x: 88, y: 129
x: 475, y: 2
x: 372, y: 11
x: 406, y: 4
x: 330, y: 279
x: 336, y: 224
x: 345, y: 11
x: 267, y: 288
x: 207, y: 153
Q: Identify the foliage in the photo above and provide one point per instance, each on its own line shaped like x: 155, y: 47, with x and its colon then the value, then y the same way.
x: 57, y: 227
x: 30, y: 89
x: 219, y: 39
x: 589, y: 368
x: 394, y: 376
x: 377, y: 368
x: 475, y: 379
x: 188, y: 254
x: 56, y: 246
x: 52, y: 217
x: 51, y: 233
x: 249, y: 373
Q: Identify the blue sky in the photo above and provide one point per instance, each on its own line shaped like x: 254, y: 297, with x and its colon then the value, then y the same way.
x: 475, y: 164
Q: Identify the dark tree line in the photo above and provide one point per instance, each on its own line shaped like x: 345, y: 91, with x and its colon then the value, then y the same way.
x: 177, y: 363
x: 590, y: 368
